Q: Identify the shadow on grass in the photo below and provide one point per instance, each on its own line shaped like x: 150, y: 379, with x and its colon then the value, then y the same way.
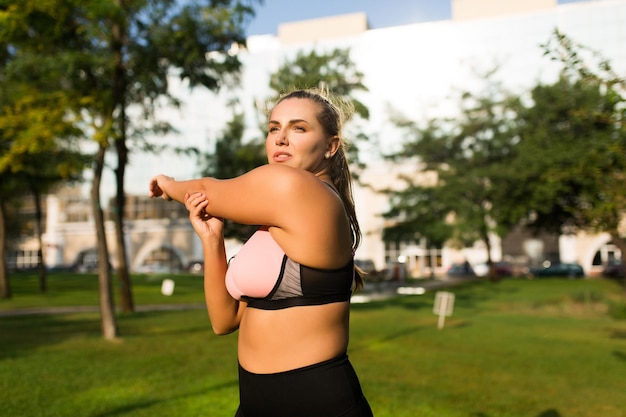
x: 399, y: 334
x: 619, y: 355
x: 134, y: 325
x: 20, y: 334
x: 129, y: 409
x: 473, y: 293
x: 547, y: 413
x: 618, y: 334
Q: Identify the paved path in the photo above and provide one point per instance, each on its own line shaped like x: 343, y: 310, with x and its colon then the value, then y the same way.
x: 92, y: 309
x: 371, y: 292
x: 386, y: 290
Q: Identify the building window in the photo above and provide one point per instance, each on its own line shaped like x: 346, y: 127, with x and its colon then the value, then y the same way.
x: 22, y: 259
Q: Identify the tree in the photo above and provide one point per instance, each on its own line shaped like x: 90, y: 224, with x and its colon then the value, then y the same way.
x: 38, y: 135
x: 145, y: 41
x: 554, y: 161
x: 464, y: 154
x: 416, y: 211
x: 609, y: 116
x: 334, y: 70
x: 121, y: 53
x: 564, y: 159
x: 5, y: 286
x: 44, y: 173
x: 576, y: 181
x: 49, y: 44
x: 42, y: 151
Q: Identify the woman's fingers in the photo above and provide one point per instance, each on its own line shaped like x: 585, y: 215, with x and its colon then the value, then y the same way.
x: 196, y: 204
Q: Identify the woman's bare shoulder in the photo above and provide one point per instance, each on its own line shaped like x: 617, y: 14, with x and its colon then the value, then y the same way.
x: 281, y: 181
x: 273, y: 195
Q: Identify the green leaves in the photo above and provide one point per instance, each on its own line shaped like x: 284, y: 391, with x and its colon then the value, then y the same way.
x: 558, y: 162
x: 312, y: 69
x: 574, y: 136
x: 465, y: 154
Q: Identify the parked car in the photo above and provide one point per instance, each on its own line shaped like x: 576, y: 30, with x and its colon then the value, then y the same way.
x: 614, y: 269
x: 501, y: 269
x: 564, y: 270
x: 460, y: 269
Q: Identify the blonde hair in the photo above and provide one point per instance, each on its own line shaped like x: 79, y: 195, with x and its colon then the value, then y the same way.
x: 334, y: 112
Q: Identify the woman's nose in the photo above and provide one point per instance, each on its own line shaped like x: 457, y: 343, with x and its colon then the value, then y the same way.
x: 281, y: 138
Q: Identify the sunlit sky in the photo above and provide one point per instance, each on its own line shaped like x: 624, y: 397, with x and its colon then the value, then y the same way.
x: 380, y: 13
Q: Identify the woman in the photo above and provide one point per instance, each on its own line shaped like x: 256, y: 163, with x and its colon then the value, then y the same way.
x: 288, y: 289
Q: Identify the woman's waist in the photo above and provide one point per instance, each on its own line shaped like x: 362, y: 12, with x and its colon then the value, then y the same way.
x: 281, y: 340
x: 338, y: 359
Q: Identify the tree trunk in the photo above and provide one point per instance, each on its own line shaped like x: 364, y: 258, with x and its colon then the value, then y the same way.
x: 107, y: 314
x: 126, y: 293
x: 119, y: 97
x: 491, y: 270
x: 620, y: 242
x: 43, y: 279
x: 5, y: 287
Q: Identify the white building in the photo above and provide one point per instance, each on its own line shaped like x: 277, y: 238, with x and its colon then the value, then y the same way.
x: 415, y: 69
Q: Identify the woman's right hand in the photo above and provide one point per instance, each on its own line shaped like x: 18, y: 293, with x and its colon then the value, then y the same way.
x: 205, y: 225
x: 155, y: 188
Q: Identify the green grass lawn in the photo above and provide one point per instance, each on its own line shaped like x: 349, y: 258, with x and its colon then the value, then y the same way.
x: 66, y: 289
x: 517, y: 348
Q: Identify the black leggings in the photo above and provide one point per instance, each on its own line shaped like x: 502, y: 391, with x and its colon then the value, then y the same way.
x: 327, y: 389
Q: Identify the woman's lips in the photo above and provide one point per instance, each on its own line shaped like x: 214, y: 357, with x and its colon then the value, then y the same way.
x: 281, y: 156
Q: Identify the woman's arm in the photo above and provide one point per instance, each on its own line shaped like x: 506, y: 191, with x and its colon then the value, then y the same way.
x: 224, y: 311
x: 169, y: 189
x: 303, y: 214
x: 262, y: 196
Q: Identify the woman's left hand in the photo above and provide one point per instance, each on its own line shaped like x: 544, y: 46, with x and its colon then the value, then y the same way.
x: 203, y: 223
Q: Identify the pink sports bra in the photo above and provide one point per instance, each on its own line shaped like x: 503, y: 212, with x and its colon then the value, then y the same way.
x: 267, y: 279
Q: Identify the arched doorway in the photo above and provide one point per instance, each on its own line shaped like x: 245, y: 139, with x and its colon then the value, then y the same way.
x: 605, y: 259
x: 86, y: 261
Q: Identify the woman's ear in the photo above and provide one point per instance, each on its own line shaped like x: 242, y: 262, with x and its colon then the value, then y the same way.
x: 333, y: 145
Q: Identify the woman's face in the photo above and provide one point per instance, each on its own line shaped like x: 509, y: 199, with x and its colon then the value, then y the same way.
x: 295, y: 137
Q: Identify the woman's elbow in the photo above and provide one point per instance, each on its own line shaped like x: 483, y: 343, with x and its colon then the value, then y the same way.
x: 223, y: 330
x: 223, y: 327
x: 224, y: 320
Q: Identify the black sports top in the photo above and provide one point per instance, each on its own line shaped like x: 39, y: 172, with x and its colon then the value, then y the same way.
x: 267, y: 279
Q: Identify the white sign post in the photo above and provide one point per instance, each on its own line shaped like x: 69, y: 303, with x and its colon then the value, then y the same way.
x: 444, y: 304
x: 167, y: 287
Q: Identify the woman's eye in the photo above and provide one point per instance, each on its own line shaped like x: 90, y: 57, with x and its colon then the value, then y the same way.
x: 299, y: 128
